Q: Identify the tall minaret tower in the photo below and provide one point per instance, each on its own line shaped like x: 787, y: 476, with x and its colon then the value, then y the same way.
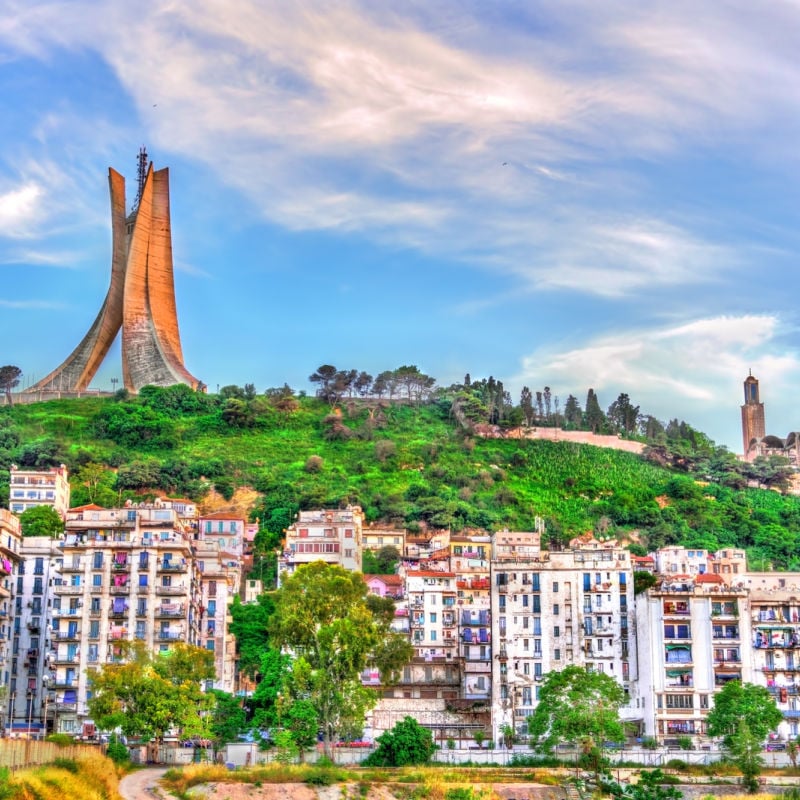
x: 752, y: 416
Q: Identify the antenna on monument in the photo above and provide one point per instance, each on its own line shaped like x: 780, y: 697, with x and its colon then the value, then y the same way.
x: 141, y: 175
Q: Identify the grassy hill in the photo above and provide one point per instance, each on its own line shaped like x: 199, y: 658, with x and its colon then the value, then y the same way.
x: 403, y: 464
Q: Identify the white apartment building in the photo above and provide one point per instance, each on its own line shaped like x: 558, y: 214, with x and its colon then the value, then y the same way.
x: 775, y: 620
x: 10, y: 543
x: 32, y: 488
x: 219, y: 577
x: 127, y: 574
x: 432, y: 612
x: 333, y: 536
x: 470, y: 558
x: 552, y: 609
x: 694, y: 637
x: 30, y: 689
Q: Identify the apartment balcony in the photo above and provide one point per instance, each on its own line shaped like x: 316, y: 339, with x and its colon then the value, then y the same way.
x: 66, y: 708
x: 65, y: 682
x: 67, y: 612
x: 171, y: 566
x: 34, y: 627
x: 169, y: 636
x: 66, y: 636
x: 68, y: 589
x: 118, y: 611
x: 171, y: 591
x: 169, y: 611
x: 75, y: 566
x: 122, y: 589
x: 120, y: 567
x: 65, y: 660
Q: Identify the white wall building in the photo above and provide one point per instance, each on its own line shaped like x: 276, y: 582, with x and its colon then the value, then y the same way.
x: 32, y: 488
x: 555, y: 609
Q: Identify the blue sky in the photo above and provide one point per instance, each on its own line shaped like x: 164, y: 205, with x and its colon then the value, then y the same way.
x: 571, y: 194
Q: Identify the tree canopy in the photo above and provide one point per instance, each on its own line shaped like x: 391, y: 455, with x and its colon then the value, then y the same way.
x: 737, y: 702
x: 9, y: 379
x: 576, y: 705
x: 323, y: 619
x: 41, y: 521
x: 148, y: 695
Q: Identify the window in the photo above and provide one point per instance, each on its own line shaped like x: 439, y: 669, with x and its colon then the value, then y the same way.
x: 38, y: 568
x: 535, y: 582
x: 555, y: 586
x: 38, y: 587
x: 212, y: 588
x: 143, y: 580
x: 348, y: 533
x: 433, y: 617
x: 526, y: 668
x: 433, y: 636
x: 679, y: 701
x: 212, y: 607
x: 97, y: 580
x: 537, y: 604
x: 556, y: 609
x: 537, y: 669
x: 526, y: 696
x: 556, y: 631
x: 97, y: 562
x: 524, y: 601
x: 557, y: 654
x: 209, y: 644
x: 94, y: 629
x: 537, y: 648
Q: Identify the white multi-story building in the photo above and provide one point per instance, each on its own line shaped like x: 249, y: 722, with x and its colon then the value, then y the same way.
x: 552, y: 609
x: 32, y: 488
x: 694, y: 637
x: 432, y: 612
x: 333, y: 536
x: 33, y: 699
x: 127, y: 574
x: 10, y: 543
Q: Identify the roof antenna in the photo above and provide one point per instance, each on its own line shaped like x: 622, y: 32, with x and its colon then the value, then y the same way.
x: 141, y: 175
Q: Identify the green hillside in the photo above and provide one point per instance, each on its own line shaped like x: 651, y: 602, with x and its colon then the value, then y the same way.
x: 404, y: 464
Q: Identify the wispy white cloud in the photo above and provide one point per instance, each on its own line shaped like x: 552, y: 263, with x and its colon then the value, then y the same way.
x: 487, y: 140
x: 28, y: 305
x: 20, y: 210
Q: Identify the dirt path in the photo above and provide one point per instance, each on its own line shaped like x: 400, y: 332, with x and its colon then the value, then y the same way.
x: 138, y: 785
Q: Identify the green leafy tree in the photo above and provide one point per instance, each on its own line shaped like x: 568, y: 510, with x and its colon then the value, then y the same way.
x: 250, y: 626
x: 573, y: 416
x: 744, y: 748
x: 623, y: 415
x: 381, y: 562
x: 302, y: 722
x: 147, y: 696
x: 322, y: 617
x: 41, y: 521
x: 594, y: 414
x: 526, y: 404
x: 736, y: 702
x: 9, y: 379
x: 578, y: 707
x: 229, y: 718
x: 408, y: 743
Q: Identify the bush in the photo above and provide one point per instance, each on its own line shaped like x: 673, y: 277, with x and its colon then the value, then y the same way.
x: 68, y: 764
x: 405, y: 744
x: 320, y: 777
x: 117, y: 752
x: 61, y: 739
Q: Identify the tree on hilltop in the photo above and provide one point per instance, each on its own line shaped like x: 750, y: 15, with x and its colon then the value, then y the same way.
x: 9, y: 379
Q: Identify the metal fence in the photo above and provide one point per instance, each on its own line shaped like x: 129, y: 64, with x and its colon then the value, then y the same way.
x: 21, y: 753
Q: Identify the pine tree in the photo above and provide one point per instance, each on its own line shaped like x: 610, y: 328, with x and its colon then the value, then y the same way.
x: 594, y: 414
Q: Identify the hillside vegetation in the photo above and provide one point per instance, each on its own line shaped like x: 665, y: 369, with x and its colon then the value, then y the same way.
x: 405, y: 464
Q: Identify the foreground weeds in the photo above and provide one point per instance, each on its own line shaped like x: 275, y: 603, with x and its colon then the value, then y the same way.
x: 89, y: 777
